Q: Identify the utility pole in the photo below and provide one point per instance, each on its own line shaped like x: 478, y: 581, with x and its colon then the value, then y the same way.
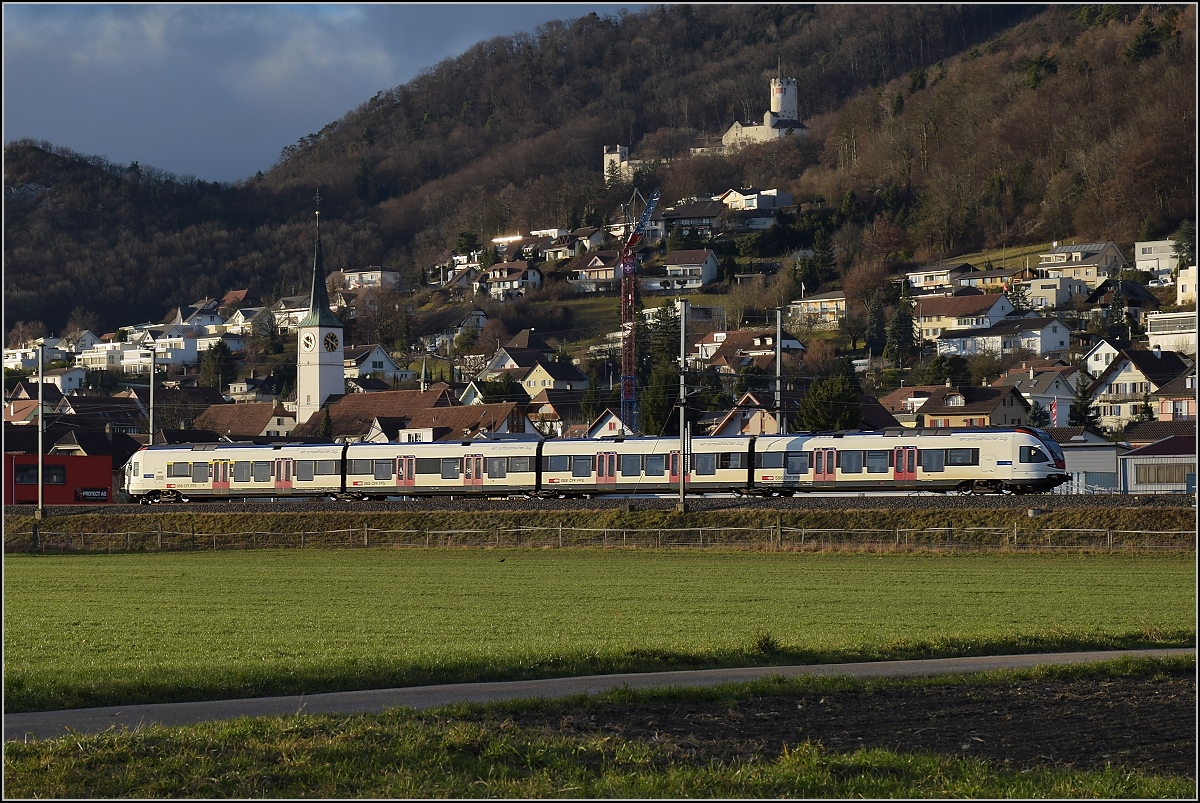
x: 683, y: 311
x: 40, y: 513
x: 153, y: 357
x: 779, y: 370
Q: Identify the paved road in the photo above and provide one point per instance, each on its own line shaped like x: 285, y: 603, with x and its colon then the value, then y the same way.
x: 49, y: 724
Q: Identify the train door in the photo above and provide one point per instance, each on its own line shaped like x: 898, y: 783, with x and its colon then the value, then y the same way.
x: 905, y: 459
x: 824, y: 464
x: 675, y: 467
x: 283, y: 474
x: 406, y: 471
x: 606, y: 470
x: 473, y: 471
x: 220, y: 477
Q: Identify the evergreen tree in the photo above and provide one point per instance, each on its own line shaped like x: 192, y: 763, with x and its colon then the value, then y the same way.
x: 218, y: 368
x: 900, y: 330
x: 1116, y: 318
x: 656, y: 401
x: 326, y: 430
x: 876, y: 337
x: 824, y: 265
x: 1185, y: 244
x: 589, y: 403
x: 1018, y: 297
x: 1039, y: 416
x: 675, y: 239
x: 830, y: 404
x: 1083, y: 413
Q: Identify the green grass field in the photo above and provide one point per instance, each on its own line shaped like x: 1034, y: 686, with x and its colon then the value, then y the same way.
x: 499, y: 751
x: 98, y: 630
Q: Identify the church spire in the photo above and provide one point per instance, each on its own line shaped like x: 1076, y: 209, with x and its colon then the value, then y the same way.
x: 319, y: 313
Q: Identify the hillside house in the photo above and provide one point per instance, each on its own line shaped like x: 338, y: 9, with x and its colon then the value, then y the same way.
x: 942, y: 276
x: 933, y: 315
x: 1046, y: 294
x: 508, y: 280
x: 373, y: 277
x: 1091, y: 262
x: 689, y: 270
x: 1172, y: 331
x: 352, y: 416
x: 1040, y: 336
x: 993, y: 279
x: 597, y: 271
x: 553, y: 411
x: 438, y: 329
x: 1100, y: 356
x: 1134, y: 375
x: 554, y: 376
x: 1176, y: 399
x: 1046, y: 387
x: 247, y: 421
x: 1138, y: 300
x: 1185, y: 286
x: 726, y: 350
x: 694, y: 218
x: 822, y: 310
x: 1156, y: 257
x: 372, y: 361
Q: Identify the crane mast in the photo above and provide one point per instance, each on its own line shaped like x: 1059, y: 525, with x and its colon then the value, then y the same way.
x: 629, y: 406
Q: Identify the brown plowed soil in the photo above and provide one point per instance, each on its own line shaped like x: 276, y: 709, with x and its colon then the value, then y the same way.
x: 1146, y: 724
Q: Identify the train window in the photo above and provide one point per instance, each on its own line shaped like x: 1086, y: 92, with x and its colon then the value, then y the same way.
x: 704, y: 463
x: 558, y: 462
x: 581, y: 466
x: 428, y: 465
x: 631, y: 465
x: 497, y: 467
x: 962, y: 457
x: 656, y: 465
x: 770, y: 460
x: 449, y: 468
x: 361, y: 467
x: 51, y: 475
x: 877, y: 461
x: 1032, y: 454
x: 933, y: 460
x: 797, y: 463
x: 262, y: 471
x: 304, y: 470
x: 179, y: 469
x: 241, y: 471
x: 520, y: 464
x: 384, y: 469
x: 200, y: 472
x: 733, y: 460
x: 327, y: 467
x: 851, y: 462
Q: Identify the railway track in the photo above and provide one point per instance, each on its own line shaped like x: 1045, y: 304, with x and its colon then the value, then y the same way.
x: 848, y: 501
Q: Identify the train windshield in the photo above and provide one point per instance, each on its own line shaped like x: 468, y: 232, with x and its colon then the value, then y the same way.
x: 1051, y: 446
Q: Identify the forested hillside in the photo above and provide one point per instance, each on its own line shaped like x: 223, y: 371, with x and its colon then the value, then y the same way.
x: 934, y: 130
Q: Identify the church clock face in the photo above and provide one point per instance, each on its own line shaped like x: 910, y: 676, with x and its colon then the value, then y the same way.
x: 308, y: 343
x: 331, y: 342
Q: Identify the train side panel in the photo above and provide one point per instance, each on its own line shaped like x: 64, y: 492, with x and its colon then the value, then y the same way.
x: 463, y: 468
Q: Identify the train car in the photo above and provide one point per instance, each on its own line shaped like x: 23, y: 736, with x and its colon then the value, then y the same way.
x: 200, y: 471
x: 1000, y: 460
x: 644, y: 465
x: 496, y: 466
x: 66, y: 479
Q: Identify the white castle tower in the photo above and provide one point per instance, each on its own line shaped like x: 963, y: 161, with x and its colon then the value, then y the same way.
x: 320, y: 368
x: 785, y: 104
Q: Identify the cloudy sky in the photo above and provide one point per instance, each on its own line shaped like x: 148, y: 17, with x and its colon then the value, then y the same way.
x: 217, y: 91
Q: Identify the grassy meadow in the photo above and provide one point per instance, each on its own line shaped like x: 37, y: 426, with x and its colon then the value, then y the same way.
x: 498, y: 751
x: 94, y: 630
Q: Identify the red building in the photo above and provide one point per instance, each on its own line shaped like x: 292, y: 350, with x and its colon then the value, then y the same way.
x: 68, y: 479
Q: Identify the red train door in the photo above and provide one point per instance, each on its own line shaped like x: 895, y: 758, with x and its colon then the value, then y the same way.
x: 473, y: 470
x: 406, y: 470
x: 283, y: 474
x: 220, y: 477
x: 825, y: 465
x: 674, y: 467
x: 905, y: 459
x: 606, y: 470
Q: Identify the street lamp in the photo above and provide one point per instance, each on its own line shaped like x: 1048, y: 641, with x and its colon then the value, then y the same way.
x: 41, y: 508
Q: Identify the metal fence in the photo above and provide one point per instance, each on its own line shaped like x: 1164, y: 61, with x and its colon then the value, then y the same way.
x: 774, y: 537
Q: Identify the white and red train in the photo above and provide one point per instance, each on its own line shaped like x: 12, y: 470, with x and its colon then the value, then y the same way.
x: 999, y: 460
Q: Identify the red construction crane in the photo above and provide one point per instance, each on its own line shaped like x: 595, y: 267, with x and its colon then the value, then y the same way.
x: 629, y: 406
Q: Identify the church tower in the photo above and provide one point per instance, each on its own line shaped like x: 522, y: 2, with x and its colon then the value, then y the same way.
x: 319, y: 369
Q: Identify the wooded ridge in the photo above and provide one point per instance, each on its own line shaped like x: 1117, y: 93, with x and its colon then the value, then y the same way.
x: 934, y: 130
